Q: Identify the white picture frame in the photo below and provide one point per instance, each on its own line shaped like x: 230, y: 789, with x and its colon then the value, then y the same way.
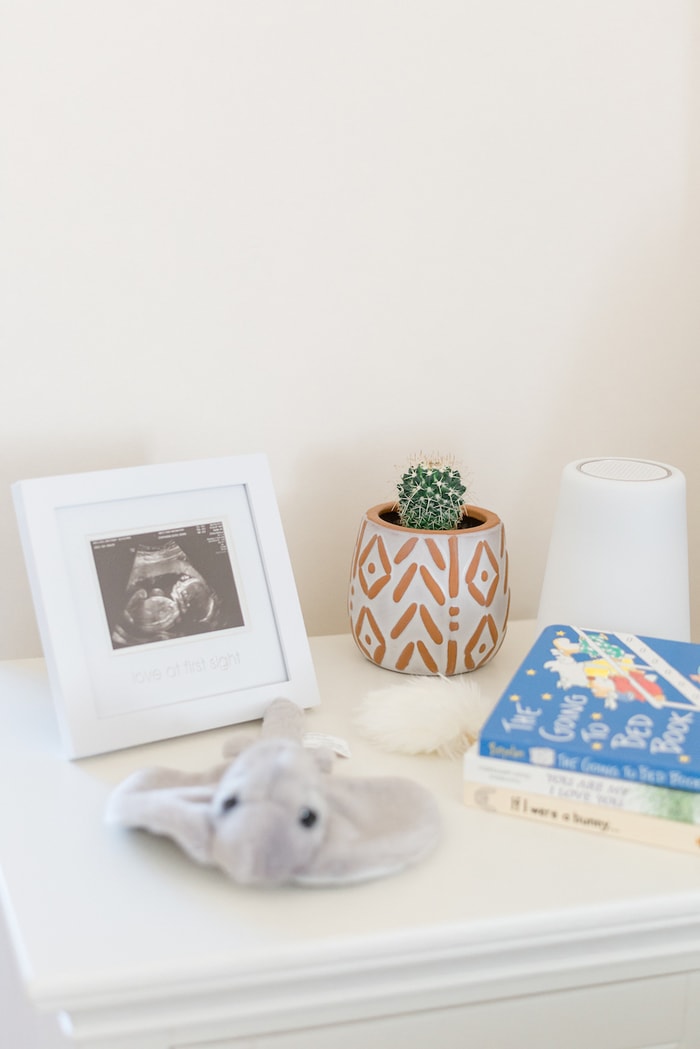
x: 165, y: 600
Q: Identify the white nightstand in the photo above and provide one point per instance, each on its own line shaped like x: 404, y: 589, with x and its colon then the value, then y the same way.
x: 510, y: 936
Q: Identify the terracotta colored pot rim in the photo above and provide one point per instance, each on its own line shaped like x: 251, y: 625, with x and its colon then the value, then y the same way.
x: 487, y: 518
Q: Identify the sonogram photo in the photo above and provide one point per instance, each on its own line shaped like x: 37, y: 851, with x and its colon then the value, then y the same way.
x: 172, y: 583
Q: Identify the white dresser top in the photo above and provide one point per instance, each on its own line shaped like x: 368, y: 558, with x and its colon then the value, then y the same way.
x: 106, y: 920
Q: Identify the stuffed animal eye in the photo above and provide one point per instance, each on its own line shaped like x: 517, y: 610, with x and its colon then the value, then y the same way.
x: 229, y: 803
x: 307, y: 817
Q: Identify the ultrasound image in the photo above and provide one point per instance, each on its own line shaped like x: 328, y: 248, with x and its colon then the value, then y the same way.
x: 174, y: 583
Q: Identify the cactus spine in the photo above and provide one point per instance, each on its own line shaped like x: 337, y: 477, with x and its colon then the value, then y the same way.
x: 431, y: 495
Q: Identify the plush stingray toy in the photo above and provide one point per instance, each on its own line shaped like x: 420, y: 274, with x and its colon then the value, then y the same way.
x: 275, y: 815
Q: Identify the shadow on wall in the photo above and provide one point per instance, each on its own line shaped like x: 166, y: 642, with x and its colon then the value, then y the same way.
x: 644, y: 400
x: 624, y: 379
x: 19, y: 637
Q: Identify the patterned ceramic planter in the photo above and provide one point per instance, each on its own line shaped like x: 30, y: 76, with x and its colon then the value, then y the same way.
x: 424, y: 602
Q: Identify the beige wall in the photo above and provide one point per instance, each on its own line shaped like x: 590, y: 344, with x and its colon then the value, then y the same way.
x: 340, y: 232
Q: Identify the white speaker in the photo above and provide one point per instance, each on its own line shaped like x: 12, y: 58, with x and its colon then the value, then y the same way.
x: 618, y: 553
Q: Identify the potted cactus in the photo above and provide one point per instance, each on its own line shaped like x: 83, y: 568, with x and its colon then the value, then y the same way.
x: 429, y: 591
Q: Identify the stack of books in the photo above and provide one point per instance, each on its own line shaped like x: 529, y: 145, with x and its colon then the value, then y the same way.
x: 599, y: 732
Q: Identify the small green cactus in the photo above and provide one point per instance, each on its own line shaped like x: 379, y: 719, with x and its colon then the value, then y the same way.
x: 431, y: 495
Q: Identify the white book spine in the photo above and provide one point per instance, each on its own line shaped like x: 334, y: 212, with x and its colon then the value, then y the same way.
x: 624, y: 795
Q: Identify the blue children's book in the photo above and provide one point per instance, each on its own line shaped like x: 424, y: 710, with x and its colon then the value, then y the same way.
x: 604, y: 704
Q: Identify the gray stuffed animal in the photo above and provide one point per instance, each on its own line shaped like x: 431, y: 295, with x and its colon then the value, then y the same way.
x: 274, y: 815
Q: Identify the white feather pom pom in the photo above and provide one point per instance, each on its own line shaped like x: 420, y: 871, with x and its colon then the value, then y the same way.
x: 424, y: 715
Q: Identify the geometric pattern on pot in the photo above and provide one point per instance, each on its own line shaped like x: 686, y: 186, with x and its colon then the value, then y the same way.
x: 425, y: 602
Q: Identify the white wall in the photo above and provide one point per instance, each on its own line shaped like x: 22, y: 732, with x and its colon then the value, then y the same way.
x: 342, y: 232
